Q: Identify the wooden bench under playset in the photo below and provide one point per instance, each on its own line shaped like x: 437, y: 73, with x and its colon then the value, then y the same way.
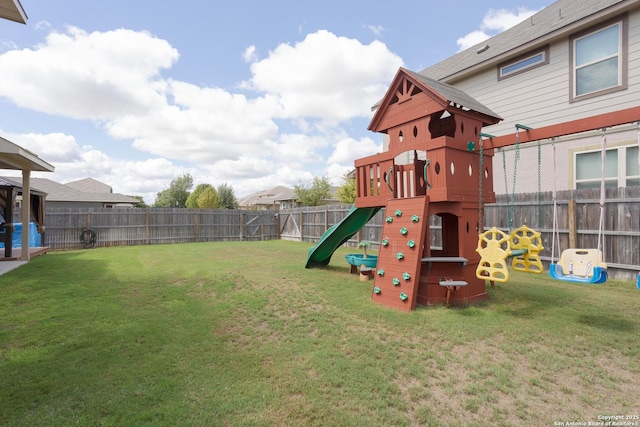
x: 438, y: 164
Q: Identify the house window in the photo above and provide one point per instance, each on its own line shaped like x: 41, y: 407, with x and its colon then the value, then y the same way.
x: 633, y: 166
x: 523, y: 63
x: 598, y: 60
x: 622, y: 169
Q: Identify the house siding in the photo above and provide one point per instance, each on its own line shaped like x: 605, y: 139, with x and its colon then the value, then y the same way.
x: 540, y: 97
x: 84, y: 205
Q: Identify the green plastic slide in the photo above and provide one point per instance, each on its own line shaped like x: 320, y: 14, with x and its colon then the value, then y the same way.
x: 338, y: 234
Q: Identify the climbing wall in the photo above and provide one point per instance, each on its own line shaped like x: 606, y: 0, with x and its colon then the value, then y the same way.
x: 397, y: 274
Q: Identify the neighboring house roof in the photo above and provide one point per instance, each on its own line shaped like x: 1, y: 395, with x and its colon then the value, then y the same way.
x: 90, y: 185
x: 556, y: 20
x: 278, y: 194
x: 57, y: 192
x: 288, y: 194
x: 268, y: 197
x: 334, y: 197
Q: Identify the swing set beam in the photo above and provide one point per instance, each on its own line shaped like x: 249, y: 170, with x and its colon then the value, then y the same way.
x: 599, y: 121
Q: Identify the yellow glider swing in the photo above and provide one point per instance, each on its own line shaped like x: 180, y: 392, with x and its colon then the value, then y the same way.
x: 522, y: 244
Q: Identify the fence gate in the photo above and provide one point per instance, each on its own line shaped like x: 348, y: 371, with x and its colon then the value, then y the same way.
x: 289, y: 226
x: 252, y: 227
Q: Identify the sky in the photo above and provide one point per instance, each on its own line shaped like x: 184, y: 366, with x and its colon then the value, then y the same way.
x: 252, y: 94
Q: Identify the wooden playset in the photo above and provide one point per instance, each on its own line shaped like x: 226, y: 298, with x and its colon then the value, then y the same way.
x: 439, y: 164
x: 435, y: 165
x: 431, y: 125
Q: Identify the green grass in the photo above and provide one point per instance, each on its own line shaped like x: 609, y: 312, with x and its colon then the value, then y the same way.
x: 242, y: 334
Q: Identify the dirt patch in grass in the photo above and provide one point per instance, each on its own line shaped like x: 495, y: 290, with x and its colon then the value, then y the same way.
x: 480, y: 381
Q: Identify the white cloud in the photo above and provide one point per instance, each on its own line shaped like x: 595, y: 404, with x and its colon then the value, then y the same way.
x: 472, y: 39
x: 73, y: 162
x: 249, y: 54
x: 43, y: 26
x: 7, y: 45
x: 377, y: 30
x: 299, y: 147
x: 283, y: 126
x: 334, y: 173
x: 96, y: 76
x: 494, y: 22
x: 53, y: 147
x: 502, y: 19
x: 347, y: 150
x: 326, y: 76
x: 203, y: 125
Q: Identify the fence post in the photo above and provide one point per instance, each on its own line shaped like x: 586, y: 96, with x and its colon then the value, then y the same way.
x: 326, y: 219
x: 146, y: 226
x: 196, y: 221
x: 572, y: 223
x: 241, y: 224
x: 262, y: 231
x: 301, y: 227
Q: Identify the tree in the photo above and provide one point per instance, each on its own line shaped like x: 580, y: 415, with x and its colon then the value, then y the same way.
x: 314, y: 195
x: 227, y: 197
x: 176, y: 195
x: 209, y: 199
x: 192, y: 200
x: 347, y: 191
x: 141, y: 203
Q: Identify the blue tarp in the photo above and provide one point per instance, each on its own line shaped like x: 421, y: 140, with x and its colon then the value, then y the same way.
x: 35, y: 238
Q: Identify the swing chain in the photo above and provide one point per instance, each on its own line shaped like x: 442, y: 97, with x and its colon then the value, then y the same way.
x: 481, y: 172
x: 539, y: 185
x: 512, y: 207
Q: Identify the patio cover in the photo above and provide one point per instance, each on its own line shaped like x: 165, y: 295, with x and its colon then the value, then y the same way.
x: 14, y: 157
x: 13, y: 11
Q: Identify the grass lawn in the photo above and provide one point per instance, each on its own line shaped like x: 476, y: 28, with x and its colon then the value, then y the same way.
x: 238, y: 333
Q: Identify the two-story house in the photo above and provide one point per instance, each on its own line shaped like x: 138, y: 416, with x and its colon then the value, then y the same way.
x: 572, y: 60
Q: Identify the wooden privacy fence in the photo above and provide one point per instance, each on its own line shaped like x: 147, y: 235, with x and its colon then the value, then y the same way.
x: 308, y: 224
x: 578, y: 216
x: 578, y: 213
x: 128, y: 227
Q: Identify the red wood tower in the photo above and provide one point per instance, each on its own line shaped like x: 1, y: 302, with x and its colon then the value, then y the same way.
x: 431, y: 168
